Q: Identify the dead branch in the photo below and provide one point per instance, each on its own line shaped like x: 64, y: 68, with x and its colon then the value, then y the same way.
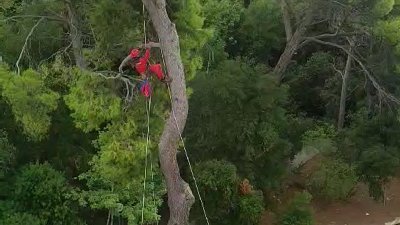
x: 337, y: 70
x: 26, y: 41
x: 128, y: 81
x: 14, y: 18
x: 381, y: 91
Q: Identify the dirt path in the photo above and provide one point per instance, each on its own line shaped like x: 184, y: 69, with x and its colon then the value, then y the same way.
x: 359, y: 210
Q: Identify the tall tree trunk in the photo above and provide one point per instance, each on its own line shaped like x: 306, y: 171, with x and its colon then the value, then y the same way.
x: 293, y: 43
x: 343, y: 94
x: 75, y: 34
x: 180, y: 197
x: 286, y: 20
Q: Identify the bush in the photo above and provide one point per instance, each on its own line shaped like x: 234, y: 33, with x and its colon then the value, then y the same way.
x: 250, y: 208
x: 217, y: 179
x: 298, y: 211
x: 41, y: 191
x: 334, y: 181
x: 21, y: 219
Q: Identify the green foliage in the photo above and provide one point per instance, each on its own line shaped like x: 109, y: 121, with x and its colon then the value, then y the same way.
x: 224, y: 116
x: 217, y: 175
x: 383, y: 7
x: 321, y: 137
x: 335, y: 180
x: 217, y: 180
x: 222, y: 16
x: 92, y: 101
x: 46, y: 39
x: 31, y: 101
x: 115, y: 179
x: 116, y: 27
x: 298, y: 212
x: 261, y: 32
x: 42, y: 191
x: 377, y: 164
x: 250, y: 208
x: 387, y: 28
x: 7, y: 154
x: 312, y: 75
x: 371, y: 145
x: 21, y: 219
x: 189, y: 24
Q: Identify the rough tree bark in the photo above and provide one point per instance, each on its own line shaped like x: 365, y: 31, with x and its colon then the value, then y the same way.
x: 75, y: 34
x: 286, y: 20
x: 343, y: 94
x: 180, y: 197
x: 293, y: 42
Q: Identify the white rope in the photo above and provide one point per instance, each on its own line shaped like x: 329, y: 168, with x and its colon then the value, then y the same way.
x: 180, y: 135
x: 187, y: 157
x: 148, y: 129
x: 147, y: 150
x: 144, y: 26
x: 152, y: 180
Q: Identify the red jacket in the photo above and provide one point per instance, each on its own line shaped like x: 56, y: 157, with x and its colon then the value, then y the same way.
x: 140, y: 66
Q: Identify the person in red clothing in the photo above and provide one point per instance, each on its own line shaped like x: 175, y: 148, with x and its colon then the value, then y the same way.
x: 141, y: 64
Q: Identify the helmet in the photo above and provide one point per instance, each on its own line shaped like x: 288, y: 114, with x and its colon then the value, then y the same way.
x: 134, y: 53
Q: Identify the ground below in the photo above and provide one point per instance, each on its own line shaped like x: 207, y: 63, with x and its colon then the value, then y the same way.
x: 359, y: 210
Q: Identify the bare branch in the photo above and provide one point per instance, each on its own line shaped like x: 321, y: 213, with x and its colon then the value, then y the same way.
x: 374, y: 82
x: 14, y: 18
x: 111, y: 75
x: 60, y: 51
x: 26, y: 41
x: 337, y: 70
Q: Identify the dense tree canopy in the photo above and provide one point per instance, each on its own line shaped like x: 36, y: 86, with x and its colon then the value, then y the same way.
x: 270, y: 84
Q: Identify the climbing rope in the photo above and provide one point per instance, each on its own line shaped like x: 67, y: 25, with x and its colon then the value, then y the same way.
x: 187, y: 158
x: 180, y: 135
x: 184, y: 147
x: 148, y: 107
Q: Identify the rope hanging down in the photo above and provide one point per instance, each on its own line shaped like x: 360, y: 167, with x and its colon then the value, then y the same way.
x: 188, y: 160
x: 180, y: 135
x: 184, y: 147
x: 148, y: 107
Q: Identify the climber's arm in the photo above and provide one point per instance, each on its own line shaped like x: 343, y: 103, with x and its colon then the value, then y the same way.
x: 124, y: 63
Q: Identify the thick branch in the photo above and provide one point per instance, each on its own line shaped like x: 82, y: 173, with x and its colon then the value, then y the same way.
x: 343, y: 94
x: 76, y: 36
x: 31, y: 16
x: 286, y: 19
x: 291, y: 48
x: 26, y: 42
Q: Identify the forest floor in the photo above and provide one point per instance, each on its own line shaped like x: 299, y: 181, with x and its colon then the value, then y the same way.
x: 360, y: 209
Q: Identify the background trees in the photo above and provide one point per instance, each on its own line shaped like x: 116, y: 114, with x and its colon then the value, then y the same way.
x: 270, y: 84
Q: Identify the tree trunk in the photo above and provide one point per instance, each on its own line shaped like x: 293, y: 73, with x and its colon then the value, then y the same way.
x: 292, y: 45
x: 343, y: 95
x: 75, y: 35
x: 180, y: 197
x: 286, y: 20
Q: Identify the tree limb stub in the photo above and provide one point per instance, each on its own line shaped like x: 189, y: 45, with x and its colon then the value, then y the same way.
x: 180, y: 197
